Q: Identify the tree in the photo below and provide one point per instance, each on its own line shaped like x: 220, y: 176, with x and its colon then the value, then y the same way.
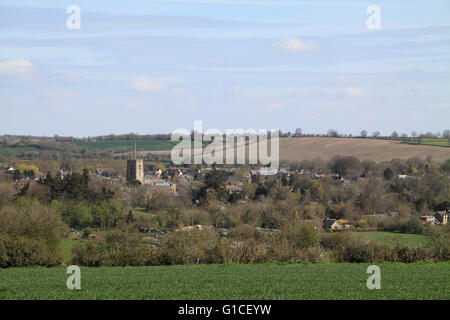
x: 394, y: 135
x: 388, y: 174
x: 413, y: 134
x: 376, y: 134
x: 445, y: 167
x: 368, y: 167
x: 130, y: 217
x: 346, y: 166
x: 446, y: 134
x: 363, y: 134
x: 303, y: 236
x: 332, y: 133
x: 298, y: 132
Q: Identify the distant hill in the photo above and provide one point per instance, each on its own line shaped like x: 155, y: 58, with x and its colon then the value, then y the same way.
x: 117, y: 145
x: 305, y: 148
x: 365, y: 149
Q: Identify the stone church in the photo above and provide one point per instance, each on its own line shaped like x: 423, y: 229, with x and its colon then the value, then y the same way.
x: 135, y: 170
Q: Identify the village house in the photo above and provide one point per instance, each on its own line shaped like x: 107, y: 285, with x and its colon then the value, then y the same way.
x: 233, y: 187
x: 428, y: 219
x: 442, y: 217
x: 165, y: 187
x: 346, y: 224
x: 332, y: 225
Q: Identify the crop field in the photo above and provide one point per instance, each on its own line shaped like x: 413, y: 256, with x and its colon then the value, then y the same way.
x: 141, y: 145
x: 17, y: 150
x: 392, y: 238
x: 365, y: 149
x: 443, y: 142
x: 233, y: 281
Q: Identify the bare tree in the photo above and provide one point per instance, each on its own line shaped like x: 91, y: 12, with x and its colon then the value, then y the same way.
x: 332, y: 133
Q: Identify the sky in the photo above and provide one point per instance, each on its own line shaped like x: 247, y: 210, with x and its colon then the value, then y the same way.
x: 152, y: 66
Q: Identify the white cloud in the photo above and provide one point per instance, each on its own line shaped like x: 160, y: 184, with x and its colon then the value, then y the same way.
x: 146, y: 84
x: 179, y: 91
x: 274, y: 106
x: 62, y: 108
x: 295, y: 45
x: 353, y: 91
x: 19, y: 66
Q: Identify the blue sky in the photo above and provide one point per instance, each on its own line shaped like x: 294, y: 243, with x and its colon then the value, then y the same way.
x: 157, y: 65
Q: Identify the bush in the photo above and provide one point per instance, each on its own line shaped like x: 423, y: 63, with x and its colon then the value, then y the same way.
x: 303, y: 236
x: 86, y: 233
x: 30, y: 235
x: 115, y: 249
x: 440, y: 240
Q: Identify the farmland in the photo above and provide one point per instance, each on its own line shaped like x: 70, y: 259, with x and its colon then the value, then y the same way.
x: 141, y: 145
x: 310, y: 148
x: 19, y: 150
x: 442, y: 142
x: 291, y: 149
x: 391, y: 238
x: 232, y: 281
x: 365, y: 149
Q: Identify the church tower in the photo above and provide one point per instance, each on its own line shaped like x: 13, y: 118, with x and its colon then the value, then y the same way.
x: 135, y: 168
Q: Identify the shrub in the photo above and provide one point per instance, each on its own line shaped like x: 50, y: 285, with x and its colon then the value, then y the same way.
x: 303, y: 236
x: 86, y: 232
x: 116, y: 249
x: 440, y: 241
x: 30, y: 235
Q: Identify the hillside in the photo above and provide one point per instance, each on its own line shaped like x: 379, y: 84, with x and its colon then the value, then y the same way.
x: 365, y: 149
x: 377, y: 150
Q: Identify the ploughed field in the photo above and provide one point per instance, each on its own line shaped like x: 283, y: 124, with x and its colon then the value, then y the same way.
x: 377, y: 150
x: 365, y: 149
x: 232, y: 281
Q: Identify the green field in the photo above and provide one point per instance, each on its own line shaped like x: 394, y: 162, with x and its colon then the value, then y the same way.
x: 68, y: 246
x: 392, y: 238
x: 141, y: 145
x: 233, y: 281
x: 16, y: 150
x: 442, y: 142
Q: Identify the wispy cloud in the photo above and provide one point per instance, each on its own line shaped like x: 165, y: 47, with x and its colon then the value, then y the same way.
x: 19, y: 66
x: 146, y: 84
x: 295, y: 45
x: 353, y: 91
x: 269, y: 3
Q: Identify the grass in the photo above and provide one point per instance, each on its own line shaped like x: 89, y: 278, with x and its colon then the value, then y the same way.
x: 233, y: 281
x: 141, y: 145
x: 391, y: 238
x: 442, y: 142
x: 17, y: 150
x: 68, y: 246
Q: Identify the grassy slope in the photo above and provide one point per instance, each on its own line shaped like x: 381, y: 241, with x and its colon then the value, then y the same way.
x: 298, y: 149
x: 392, y: 238
x: 364, y: 149
x: 267, y: 281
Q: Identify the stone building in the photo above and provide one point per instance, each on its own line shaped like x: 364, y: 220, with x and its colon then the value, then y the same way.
x: 135, y: 170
